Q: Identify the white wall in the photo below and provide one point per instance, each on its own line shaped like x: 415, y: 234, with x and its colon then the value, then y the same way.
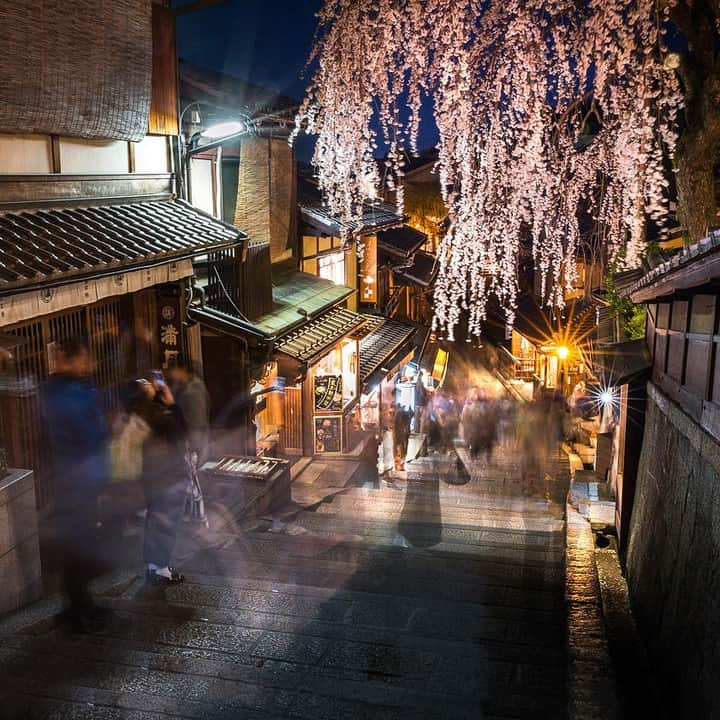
x: 25, y: 154
x: 152, y: 154
x: 93, y: 156
x: 201, y: 185
x: 20, y: 154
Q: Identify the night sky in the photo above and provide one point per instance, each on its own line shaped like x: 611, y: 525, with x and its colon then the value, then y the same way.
x: 263, y: 41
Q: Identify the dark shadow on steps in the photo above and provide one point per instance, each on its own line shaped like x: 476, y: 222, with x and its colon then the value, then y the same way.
x: 421, y: 519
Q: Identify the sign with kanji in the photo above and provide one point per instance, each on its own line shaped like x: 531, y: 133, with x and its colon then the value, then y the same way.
x: 328, y: 392
x: 169, y: 326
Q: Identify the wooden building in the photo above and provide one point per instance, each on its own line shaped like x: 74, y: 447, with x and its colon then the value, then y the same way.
x: 93, y: 239
x: 669, y: 521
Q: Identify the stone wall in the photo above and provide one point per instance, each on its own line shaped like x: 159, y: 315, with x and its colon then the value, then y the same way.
x: 20, y: 576
x: 673, y: 556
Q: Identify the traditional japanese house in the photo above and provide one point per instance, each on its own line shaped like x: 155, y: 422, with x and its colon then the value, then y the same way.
x: 345, y: 254
x: 94, y: 241
x: 670, y: 541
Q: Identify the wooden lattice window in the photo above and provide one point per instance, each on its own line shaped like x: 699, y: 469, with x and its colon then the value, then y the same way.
x: 20, y: 412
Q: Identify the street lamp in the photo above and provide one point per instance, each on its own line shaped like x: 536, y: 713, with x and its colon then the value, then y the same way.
x: 207, y: 138
x: 563, y: 352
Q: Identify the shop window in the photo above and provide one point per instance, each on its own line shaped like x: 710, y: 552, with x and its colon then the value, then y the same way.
x: 332, y: 267
x: 340, y: 363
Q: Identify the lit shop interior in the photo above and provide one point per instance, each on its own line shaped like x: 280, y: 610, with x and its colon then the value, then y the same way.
x: 338, y: 399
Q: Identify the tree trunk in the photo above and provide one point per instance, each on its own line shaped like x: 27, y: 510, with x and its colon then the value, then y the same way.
x: 695, y: 166
x: 699, y: 145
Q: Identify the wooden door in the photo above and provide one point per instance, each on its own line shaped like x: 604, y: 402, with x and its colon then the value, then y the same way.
x: 291, y: 436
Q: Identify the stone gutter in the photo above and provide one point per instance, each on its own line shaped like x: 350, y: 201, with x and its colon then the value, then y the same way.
x: 591, y: 682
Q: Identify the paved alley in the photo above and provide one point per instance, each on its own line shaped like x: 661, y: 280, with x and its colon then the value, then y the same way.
x: 418, y: 600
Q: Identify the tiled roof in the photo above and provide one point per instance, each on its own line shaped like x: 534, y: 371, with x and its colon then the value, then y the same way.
x: 421, y: 272
x: 319, y: 335
x: 690, y: 255
x: 372, y: 324
x: 381, y: 344
x: 403, y: 240
x: 62, y: 245
x: 297, y: 295
x: 376, y: 216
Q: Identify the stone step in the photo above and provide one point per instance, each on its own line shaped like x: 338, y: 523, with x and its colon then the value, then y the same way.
x: 393, y: 499
x: 428, y: 534
x: 338, y: 546
x: 421, y: 514
x: 116, y: 671
x: 467, y: 496
x: 398, y: 576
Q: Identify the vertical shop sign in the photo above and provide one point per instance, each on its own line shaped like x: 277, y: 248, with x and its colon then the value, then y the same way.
x: 368, y: 271
x: 170, y: 328
x: 328, y: 392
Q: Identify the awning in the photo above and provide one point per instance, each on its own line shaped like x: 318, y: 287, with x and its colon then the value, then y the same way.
x: 314, y: 338
x: 48, y: 248
x: 618, y: 363
x: 298, y: 298
x: 379, y: 346
x: 401, y: 241
x: 387, y: 346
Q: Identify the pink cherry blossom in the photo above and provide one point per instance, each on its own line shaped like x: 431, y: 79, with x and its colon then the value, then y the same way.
x: 544, y: 108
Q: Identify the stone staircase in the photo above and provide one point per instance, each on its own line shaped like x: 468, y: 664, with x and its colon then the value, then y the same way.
x: 424, y: 601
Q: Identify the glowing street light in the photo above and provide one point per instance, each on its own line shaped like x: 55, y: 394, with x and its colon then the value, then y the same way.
x: 562, y: 352
x: 230, y: 128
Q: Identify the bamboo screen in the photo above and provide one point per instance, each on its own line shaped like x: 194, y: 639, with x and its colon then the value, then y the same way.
x: 76, y: 67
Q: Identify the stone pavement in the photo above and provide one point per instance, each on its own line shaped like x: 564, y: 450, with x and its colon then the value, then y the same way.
x: 419, y: 600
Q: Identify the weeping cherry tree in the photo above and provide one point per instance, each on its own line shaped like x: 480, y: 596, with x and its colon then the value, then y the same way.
x: 548, y: 111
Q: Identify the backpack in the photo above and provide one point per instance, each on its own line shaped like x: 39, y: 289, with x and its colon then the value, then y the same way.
x: 126, y: 448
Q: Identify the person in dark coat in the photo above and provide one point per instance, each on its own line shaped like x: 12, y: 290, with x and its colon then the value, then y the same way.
x: 78, y: 443
x: 165, y: 475
x: 401, y: 435
x: 192, y: 397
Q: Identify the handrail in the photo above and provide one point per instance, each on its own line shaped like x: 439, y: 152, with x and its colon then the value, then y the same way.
x: 508, y: 353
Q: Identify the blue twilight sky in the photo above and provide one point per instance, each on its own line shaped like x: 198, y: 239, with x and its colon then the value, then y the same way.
x: 263, y: 41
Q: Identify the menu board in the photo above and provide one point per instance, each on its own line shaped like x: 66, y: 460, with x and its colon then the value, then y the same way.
x: 328, y: 392
x: 328, y: 433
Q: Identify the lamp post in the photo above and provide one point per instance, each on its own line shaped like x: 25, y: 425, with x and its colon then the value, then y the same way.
x: 230, y: 125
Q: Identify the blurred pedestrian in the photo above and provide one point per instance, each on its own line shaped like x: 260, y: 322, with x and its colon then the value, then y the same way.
x: 421, y: 401
x: 470, y: 420
x: 165, y: 475
x: 534, y: 439
x: 191, y: 396
x: 401, y: 435
x: 78, y: 444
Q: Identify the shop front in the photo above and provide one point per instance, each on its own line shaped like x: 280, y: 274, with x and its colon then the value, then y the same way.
x: 121, y: 290
x: 388, y: 369
x: 320, y: 362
